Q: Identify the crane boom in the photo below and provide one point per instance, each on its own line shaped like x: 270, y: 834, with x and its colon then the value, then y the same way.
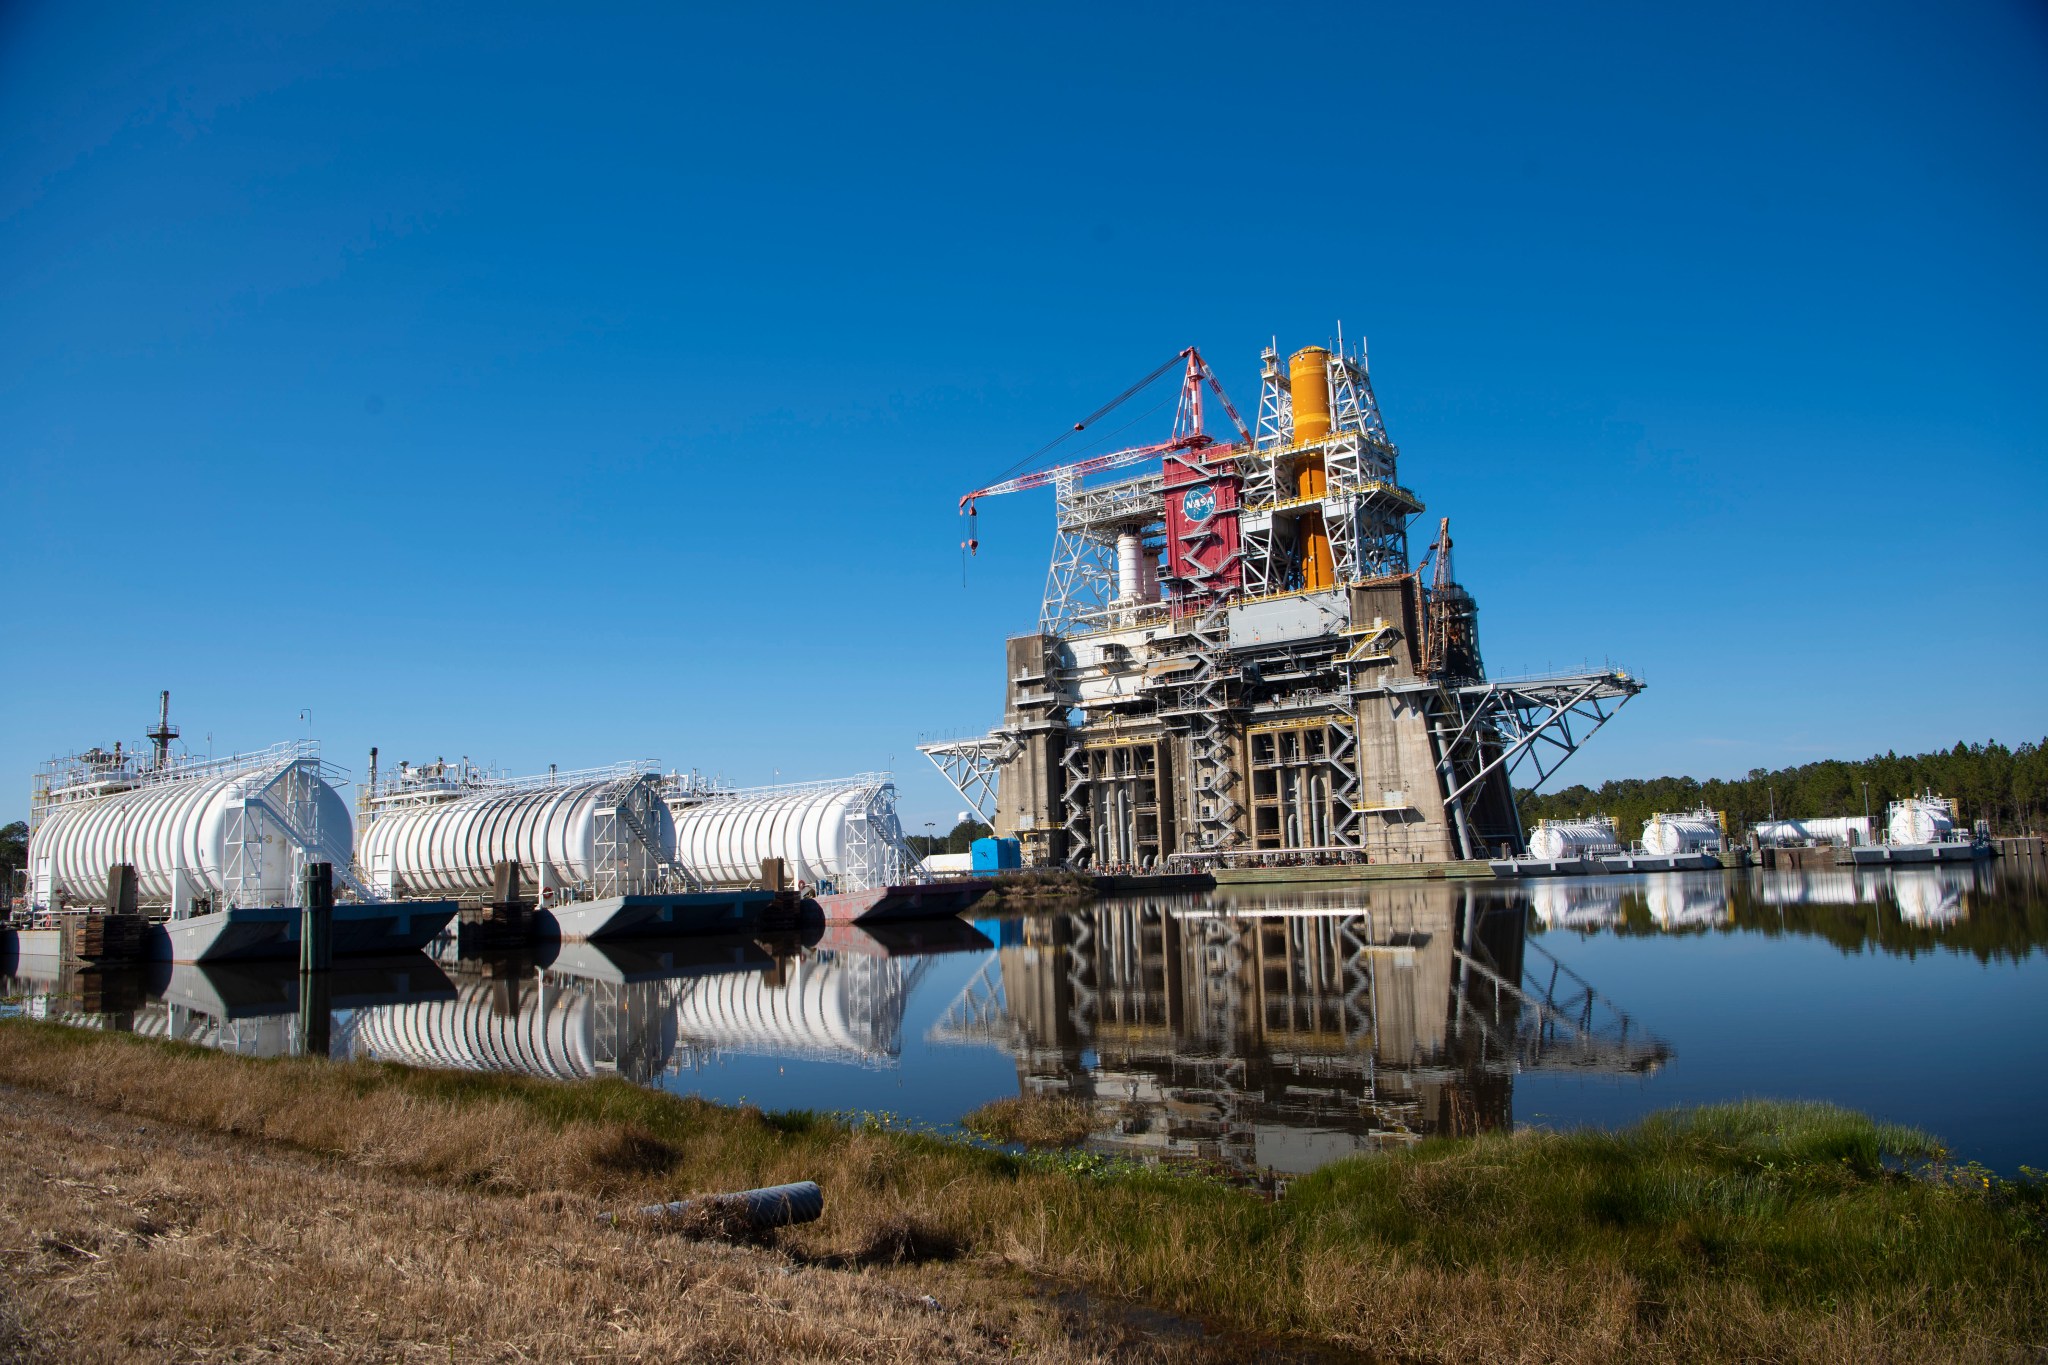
x: 1188, y: 434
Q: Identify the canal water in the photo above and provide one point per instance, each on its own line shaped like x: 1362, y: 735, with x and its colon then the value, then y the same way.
x: 1270, y: 1028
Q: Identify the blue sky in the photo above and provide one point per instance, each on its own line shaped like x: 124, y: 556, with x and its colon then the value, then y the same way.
x: 575, y: 385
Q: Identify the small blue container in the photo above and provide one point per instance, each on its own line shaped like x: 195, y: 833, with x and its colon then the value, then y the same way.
x: 995, y: 855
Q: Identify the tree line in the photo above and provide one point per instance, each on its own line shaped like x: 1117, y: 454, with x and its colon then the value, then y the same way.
x: 959, y: 840
x: 2006, y: 786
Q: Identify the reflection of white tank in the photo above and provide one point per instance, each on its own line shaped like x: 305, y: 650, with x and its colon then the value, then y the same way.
x: 232, y: 830
x: 1685, y: 902
x: 442, y: 836
x: 1555, y: 839
x: 1835, y: 829
x: 1921, y: 820
x: 1809, y: 887
x: 840, y: 1006
x: 844, y: 833
x: 1930, y: 897
x: 545, y: 1033
x: 1671, y: 834
x: 1560, y: 904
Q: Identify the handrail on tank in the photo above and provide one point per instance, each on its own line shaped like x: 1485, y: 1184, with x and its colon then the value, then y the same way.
x: 58, y: 785
x: 467, y: 779
x: 675, y: 785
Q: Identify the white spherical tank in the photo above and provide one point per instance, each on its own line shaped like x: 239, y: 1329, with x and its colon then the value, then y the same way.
x: 1920, y: 820
x: 448, y: 847
x: 1556, y: 839
x: 1668, y: 835
x: 726, y: 840
x: 184, y: 825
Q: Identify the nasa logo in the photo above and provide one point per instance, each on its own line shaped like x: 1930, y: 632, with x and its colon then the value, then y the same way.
x: 1197, y: 503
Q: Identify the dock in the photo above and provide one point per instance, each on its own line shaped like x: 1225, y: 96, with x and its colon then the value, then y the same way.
x: 1459, y: 870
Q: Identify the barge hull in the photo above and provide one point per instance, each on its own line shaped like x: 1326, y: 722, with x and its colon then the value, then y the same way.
x: 914, y: 900
x: 696, y: 912
x: 271, y: 933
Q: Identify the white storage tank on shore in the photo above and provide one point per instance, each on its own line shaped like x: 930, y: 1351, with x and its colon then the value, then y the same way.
x: 230, y: 831
x: 1670, y: 834
x: 439, y: 830
x: 841, y: 833
x: 1835, y: 829
x: 1557, y: 839
x: 1921, y: 820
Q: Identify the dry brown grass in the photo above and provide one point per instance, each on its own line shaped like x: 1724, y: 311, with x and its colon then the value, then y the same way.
x: 1033, y: 1121
x: 122, y: 1241
x: 518, y: 1167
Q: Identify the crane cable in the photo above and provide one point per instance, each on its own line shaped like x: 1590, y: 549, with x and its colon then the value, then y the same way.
x: 1035, y: 456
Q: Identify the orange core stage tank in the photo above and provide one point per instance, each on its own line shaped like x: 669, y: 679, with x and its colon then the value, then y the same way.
x: 1308, y: 375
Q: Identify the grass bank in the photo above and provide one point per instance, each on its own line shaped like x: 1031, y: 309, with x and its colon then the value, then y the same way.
x: 1741, y: 1231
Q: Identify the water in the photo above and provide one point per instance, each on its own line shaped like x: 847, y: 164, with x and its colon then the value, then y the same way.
x: 1269, y: 1028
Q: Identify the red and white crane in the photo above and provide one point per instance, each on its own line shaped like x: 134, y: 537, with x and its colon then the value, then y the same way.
x: 1188, y: 434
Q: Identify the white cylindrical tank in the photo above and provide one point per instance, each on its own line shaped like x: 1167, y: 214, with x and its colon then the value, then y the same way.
x: 1130, y: 573
x: 1835, y: 829
x: 1668, y: 835
x: 725, y: 840
x: 1920, y: 820
x: 183, y: 825
x: 1556, y: 839
x: 447, y: 847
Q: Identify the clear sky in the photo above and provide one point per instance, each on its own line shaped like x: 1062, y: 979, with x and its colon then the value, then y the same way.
x: 579, y: 384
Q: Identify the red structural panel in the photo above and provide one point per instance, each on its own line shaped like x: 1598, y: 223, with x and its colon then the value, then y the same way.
x: 1203, y: 556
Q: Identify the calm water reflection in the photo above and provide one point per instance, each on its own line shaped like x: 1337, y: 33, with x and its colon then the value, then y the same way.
x: 1276, y: 1028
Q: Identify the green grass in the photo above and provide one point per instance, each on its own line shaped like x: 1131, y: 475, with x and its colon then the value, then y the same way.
x: 1806, y: 1204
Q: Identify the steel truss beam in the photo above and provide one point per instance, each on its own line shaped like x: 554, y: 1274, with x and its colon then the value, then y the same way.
x: 975, y: 767
x: 1542, y: 722
x: 1082, y: 576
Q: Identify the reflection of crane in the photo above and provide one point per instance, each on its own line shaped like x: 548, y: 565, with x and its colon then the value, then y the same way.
x: 1187, y: 435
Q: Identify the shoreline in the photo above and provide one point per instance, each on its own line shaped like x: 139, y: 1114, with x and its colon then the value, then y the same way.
x: 1749, y: 1229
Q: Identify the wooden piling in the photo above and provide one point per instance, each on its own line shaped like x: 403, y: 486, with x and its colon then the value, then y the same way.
x: 316, y: 917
